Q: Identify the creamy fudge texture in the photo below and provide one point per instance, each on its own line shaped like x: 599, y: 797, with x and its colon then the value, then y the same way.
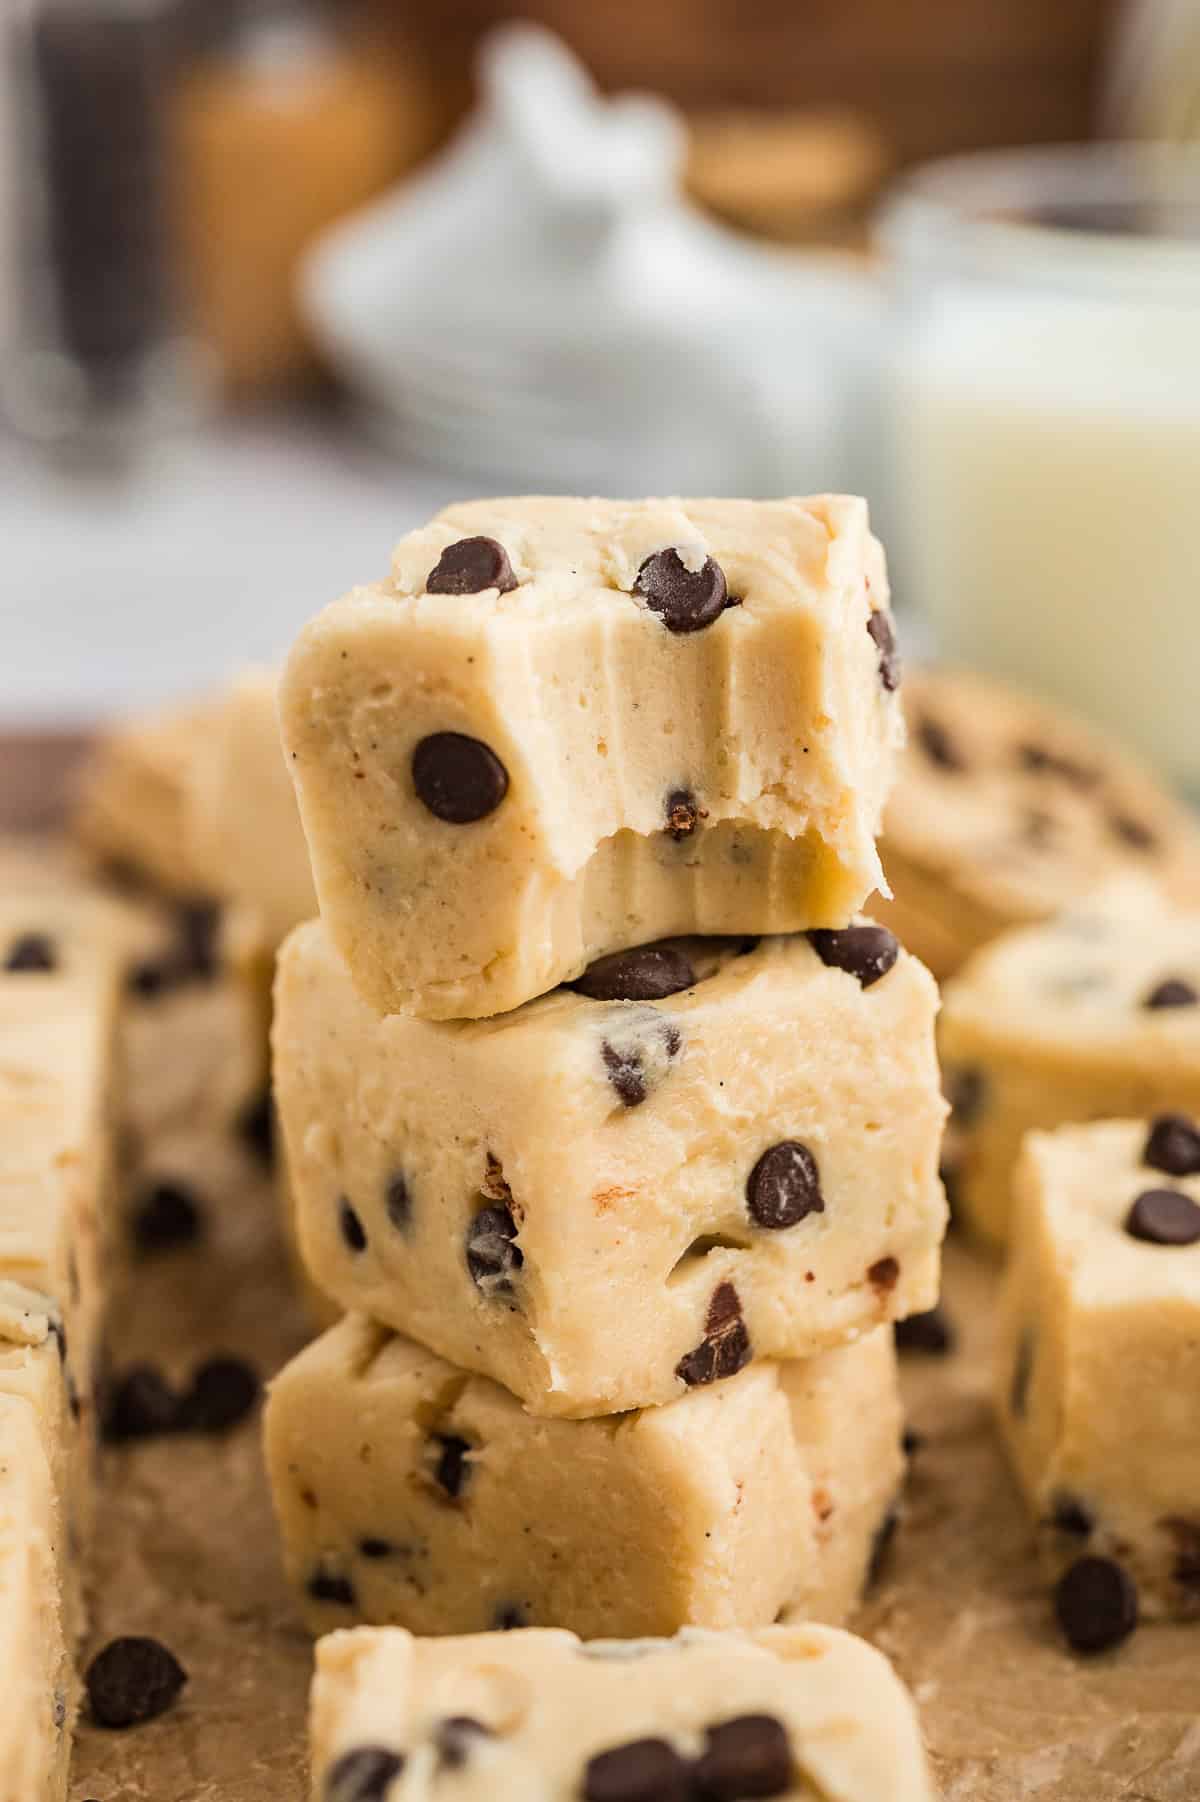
x: 1098, y: 1365
x: 133, y: 806
x: 1093, y: 1015
x: 1006, y: 811
x: 37, y: 1696
x: 603, y: 1202
x: 563, y: 727
x: 793, y: 1712
x: 413, y: 1494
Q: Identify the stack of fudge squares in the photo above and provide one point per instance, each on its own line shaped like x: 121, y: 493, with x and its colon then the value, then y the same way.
x: 610, y: 1123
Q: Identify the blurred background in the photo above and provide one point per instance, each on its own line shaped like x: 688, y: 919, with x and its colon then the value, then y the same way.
x: 278, y: 278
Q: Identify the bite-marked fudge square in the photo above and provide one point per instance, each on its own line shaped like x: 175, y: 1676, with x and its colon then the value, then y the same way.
x: 412, y: 1494
x: 563, y: 727
x: 706, y: 1152
x: 790, y: 1712
x: 1092, y: 1016
x: 1099, y: 1359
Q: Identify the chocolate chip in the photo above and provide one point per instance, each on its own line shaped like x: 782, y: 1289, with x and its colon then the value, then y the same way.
x: 938, y: 745
x: 459, y: 779
x: 198, y: 929
x: 1131, y: 832
x: 509, y: 1617
x: 363, y: 1775
x: 328, y: 1586
x: 165, y: 1216
x: 965, y: 1088
x: 650, y: 973
x: 256, y: 1127
x: 140, y: 1405
x: 1069, y: 1515
x: 628, y: 1063
x: 1038, y: 760
x: 745, y: 1757
x: 884, y: 1274
x: 911, y: 1442
x: 931, y: 1332
x: 375, y: 1548
x: 456, y: 1738
x: 865, y: 952
x: 492, y: 1256
x: 884, y: 638
x: 1164, y: 1217
x: 471, y: 566
x: 398, y: 1202
x: 725, y: 1348
x: 684, y: 814
x: 645, y: 1770
x: 132, y: 1680
x: 881, y: 1545
x: 784, y: 1186
x: 685, y: 600
x: 30, y: 953
x: 153, y: 977
x: 1022, y: 1376
x: 451, y: 1469
x: 1096, y: 1602
x: 1172, y: 992
x: 352, y: 1229
x: 1186, y: 1535
x: 1173, y: 1146
x: 221, y: 1394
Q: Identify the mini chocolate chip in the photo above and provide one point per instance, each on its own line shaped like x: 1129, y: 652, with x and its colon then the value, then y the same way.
x: 398, y: 1202
x: 509, y: 1616
x: 784, y: 1186
x: 1172, y: 992
x: 938, y: 745
x: 153, y: 977
x: 685, y: 600
x: 456, y: 1738
x: 1096, y: 1602
x: 132, y: 1680
x: 492, y: 1256
x: 1173, y: 1146
x: 911, y: 1442
x: 221, y: 1394
x: 140, y: 1405
x: 352, y: 1229
x: 884, y: 1273
x: 865, y: 952
x: 625, y: 1062
x: 1038, y: 760
x: 375, y: 1548
x: 363, y: 1775
x: 471, y: 566
x: 1069, y: 1515
x: 1133, y: 833
x: 931, y: 1332
x: 1022, y: 1376
x: 746, y: 1757
x: 459, y: 779
x: 650, y: 973
x: 451, y: 1469
x: 32, y: 952
x: 725, y: 1348
x: 965, y: 1088
x: 328, y: 1586
x: 645, y: 1770
x: 684, y: 814
x: 881, y: 1545
x: 884, y: 638
x: 167, y: 1215
x: 198, y: 927
x: 1164, y: 1217
x: 256, y: 1127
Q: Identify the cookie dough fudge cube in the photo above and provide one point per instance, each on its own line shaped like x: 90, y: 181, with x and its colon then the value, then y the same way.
x: 1094, y: 1015
x: 564, y: 727
x: 1099, y: 1357
x: 791, y: 1712
x: 133, y: 808
x: 411, y: 1493
x: 1006, y: 811
x: 602, y: 1200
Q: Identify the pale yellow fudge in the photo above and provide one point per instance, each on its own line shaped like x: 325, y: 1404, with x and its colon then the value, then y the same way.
x: 411, y: 1493
x: 38, y: 1692
x: 602, y: 1202
x: 540, y: 1716
x: 1094, y: 1015
x: 133, y: 804
x: 1006, y: 810
x: 1098, y: 1365
x: 563, y: 727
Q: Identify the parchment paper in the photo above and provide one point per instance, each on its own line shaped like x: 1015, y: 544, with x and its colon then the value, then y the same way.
x: 186, y: 1550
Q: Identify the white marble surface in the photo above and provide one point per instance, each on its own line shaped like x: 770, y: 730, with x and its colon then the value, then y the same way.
x: 123, y: 593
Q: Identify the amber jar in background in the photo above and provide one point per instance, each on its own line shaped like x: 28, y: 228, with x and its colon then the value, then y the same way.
x: 283, y: 121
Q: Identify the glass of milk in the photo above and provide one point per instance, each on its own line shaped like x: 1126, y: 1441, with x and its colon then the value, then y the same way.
x: 1047, y: 428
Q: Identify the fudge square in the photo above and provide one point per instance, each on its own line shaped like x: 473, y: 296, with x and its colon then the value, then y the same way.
x: 793, y: 1712
x: 1094, y: 1015
x: 412, y: 1494
x: 708, y: 1151
x: 565, y: 726
x: 1099, y: 1359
